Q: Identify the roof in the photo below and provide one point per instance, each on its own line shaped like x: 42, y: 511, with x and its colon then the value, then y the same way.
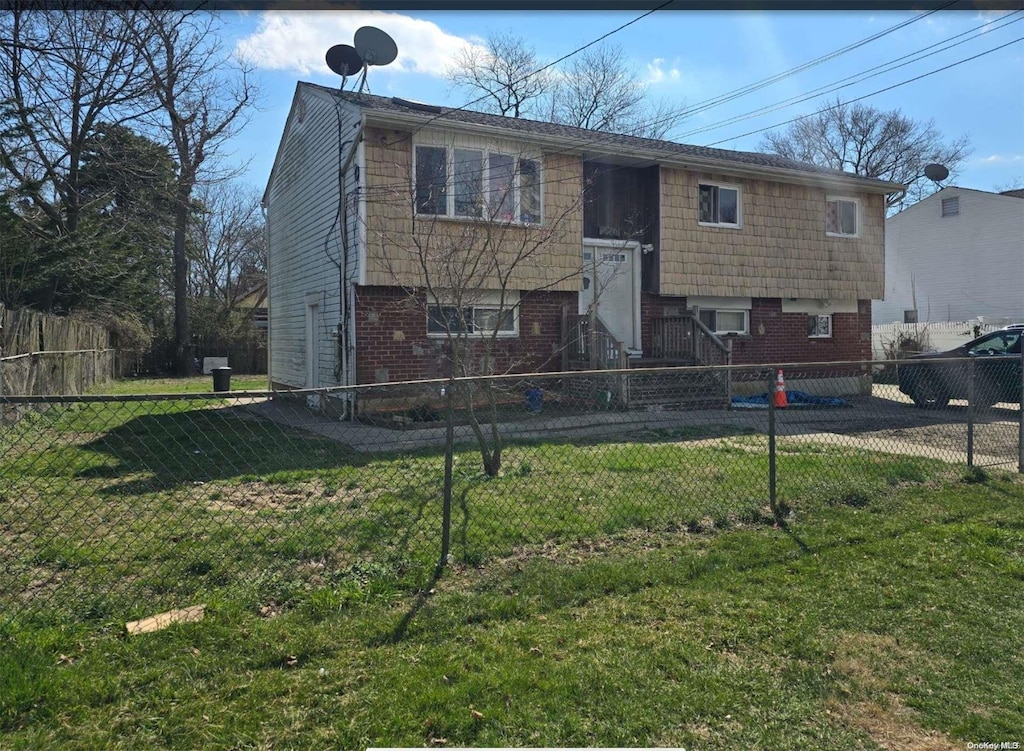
x: 601, y: 142
x: 1019, y: 193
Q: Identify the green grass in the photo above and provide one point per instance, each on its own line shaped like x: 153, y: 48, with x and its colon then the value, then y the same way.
x: 617, y: 594
x: 190, y: 385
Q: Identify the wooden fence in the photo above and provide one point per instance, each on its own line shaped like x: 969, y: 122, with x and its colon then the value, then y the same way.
x: 44, y: 354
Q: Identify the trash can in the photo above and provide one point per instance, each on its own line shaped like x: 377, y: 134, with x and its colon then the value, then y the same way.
x: 221, y: 379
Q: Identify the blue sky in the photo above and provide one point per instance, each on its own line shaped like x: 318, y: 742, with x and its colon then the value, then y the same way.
x: 686, y: 57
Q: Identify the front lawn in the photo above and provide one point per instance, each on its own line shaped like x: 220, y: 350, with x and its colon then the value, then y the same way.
x: 628, y: 593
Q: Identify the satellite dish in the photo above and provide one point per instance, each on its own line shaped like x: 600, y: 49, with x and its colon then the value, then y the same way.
x: 344, y: 60
x: 375, y: 46
x: 936, y: 172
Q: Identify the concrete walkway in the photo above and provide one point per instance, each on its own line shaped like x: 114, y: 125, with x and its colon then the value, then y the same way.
x: 869, y: 423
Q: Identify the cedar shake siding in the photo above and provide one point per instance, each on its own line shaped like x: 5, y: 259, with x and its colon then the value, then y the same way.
x: 780, y: 249
x: 393, y: 252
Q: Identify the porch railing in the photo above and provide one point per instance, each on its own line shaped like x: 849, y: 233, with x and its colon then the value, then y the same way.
x: 686, y: 338
x: 594, y: 348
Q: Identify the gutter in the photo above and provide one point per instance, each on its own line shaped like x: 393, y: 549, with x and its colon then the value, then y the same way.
x: 681, y: 161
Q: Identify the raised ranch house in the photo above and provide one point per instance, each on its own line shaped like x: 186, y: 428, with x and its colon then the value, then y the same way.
x: 589, y: 249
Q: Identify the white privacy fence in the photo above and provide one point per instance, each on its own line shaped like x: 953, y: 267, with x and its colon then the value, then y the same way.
x: 910, y: 338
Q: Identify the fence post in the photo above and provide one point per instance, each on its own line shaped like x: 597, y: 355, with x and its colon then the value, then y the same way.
x: 970, y: 413
x: 728, y: 374
x: 1020, y: 414
x: 772, y: 498
x: 449, y: 454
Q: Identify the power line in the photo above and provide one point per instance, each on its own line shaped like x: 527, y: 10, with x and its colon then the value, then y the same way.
x: 549, y: 65
x: 873, y: 93
x: 600, y: 138
x: 765, y: 82
x: 860, y: 77
x: 605, y: 136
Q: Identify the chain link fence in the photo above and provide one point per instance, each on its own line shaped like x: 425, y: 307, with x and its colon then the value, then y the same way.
x: 117, y: 507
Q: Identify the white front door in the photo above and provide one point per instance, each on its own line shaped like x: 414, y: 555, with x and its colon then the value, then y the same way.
x: 611, y: 285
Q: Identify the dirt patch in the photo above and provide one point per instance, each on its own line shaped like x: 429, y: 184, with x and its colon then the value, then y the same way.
x: 863, y: 658
x: 893, y: 727
x: 253, y: 497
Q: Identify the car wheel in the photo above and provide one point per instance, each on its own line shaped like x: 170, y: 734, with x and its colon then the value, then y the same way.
x: 929, y: 395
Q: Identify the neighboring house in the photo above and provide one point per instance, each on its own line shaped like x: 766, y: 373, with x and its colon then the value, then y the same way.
x: 955, y: 256
x: 691, y: 247
x: 256, y: 301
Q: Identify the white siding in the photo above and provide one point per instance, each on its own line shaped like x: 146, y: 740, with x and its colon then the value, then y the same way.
x: 960, y: 267
x: 303, y: 232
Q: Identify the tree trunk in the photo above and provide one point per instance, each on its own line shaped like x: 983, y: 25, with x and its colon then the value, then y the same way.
x: 182, y: 345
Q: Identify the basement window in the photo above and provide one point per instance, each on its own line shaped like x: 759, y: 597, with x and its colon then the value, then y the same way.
x: 480, y: 319
x: 725, y: 321
x: 819, y: 327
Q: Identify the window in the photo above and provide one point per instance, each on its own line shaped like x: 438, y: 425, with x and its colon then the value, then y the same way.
x: 480, y: 319
x: 841, y: 217
x: 999, y: 343
x: 910, y: 316
x: 725, y: 321
x: 431, y: 180
x: 951, y: 206
x: 819, y: 327
x: 529, y: 191
x: 469, y: 170
x: 718, y: 205
x: 472, y: 183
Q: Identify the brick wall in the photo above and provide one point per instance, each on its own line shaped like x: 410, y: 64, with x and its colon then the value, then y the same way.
x: 782, y: 337
x: 392, y: 343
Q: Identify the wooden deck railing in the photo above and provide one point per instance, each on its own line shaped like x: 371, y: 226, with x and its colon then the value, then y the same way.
x: 686, y: 338
x: 594, y: 348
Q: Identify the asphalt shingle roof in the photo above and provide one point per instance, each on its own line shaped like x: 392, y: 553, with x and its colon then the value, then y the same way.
x: 594, y: 139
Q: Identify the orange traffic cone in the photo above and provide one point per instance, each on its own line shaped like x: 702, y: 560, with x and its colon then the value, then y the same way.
x: 780, y: 392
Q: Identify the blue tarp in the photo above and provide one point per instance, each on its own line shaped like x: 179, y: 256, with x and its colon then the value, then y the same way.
x: 797, y: 399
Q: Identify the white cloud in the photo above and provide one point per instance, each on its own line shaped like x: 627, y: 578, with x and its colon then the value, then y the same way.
x: 1000, y: 159
x: 657, y: 73
x: 297, y: 41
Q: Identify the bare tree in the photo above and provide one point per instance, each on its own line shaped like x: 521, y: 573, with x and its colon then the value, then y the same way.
x: 599, y: 90
x: 64, y: 73
x: 595, y: 89
x: 871, y: 142
x: 503, y: 73
x: 203, y: 94
x: 467, y: 277
x: 227, y: 243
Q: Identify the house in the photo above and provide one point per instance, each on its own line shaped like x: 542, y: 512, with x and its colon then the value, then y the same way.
x: 955, y: 256
x: 665, y: 252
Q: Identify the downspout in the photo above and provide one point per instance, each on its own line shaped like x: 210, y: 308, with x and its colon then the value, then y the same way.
x: 345, y: 344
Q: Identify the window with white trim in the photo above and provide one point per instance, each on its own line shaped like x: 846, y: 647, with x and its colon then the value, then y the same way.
x: 819, y: 326
x: 718, y: 205
x: 482, y: 318
x: 474, y: 184
x: 725, y: 321
x: 842, y: 216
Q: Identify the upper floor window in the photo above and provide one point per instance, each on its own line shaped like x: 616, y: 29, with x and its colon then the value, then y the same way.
x: 475, y: 184
x: 842, y: 216
x: 718, y: 205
